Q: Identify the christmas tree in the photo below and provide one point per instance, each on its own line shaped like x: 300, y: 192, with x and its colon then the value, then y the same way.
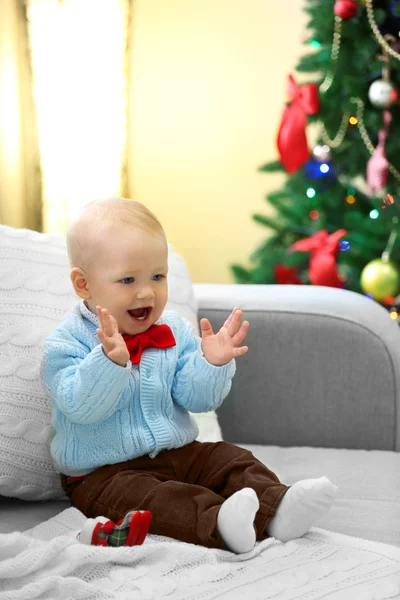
x: 337, y: 217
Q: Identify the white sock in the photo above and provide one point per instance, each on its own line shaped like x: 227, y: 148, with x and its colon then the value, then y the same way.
x: 236, y: 520
x: 302, y: 505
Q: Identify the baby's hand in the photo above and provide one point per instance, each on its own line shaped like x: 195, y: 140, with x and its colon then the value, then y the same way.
x: 113, y: 342
x: 221, y: 347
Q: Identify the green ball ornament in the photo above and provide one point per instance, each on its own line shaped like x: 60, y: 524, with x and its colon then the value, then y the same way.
x: 381, y: 279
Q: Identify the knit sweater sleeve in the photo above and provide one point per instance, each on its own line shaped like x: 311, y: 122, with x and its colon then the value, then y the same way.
x: 85, y: 386
x: 198, y: 385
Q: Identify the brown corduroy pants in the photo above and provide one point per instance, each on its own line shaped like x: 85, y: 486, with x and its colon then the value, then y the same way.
x: 183, y: 488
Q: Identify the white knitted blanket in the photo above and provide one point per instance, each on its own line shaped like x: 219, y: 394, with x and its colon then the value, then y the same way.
x: 49, y: 564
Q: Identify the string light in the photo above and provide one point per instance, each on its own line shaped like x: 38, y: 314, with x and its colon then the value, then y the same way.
x: 350, y: 199
x: 324, y: 168
x: 374, y: 214
x: 344, y: 245
x: 353, y: 120
x: 311, y: 193
x: 394, y: 314
x: 314, y: 215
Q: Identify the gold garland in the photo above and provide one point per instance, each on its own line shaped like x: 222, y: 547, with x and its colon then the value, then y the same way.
x: 325, y: 85
x: 337, y: 37
x: 339, y: 137
x: 363, y: 132
x: 381, y: 40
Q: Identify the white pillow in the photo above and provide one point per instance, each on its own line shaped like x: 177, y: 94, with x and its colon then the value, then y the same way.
x: 35, y: 295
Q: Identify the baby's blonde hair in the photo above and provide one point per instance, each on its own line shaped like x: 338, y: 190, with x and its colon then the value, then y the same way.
x: 96, y: 217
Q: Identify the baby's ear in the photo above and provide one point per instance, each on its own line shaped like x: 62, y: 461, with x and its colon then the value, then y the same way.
x: 79, y: 282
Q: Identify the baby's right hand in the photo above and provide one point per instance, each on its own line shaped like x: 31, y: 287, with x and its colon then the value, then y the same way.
x: 113, y: 342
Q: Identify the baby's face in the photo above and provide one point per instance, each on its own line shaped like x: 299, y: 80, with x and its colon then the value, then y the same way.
x: 129, y: 279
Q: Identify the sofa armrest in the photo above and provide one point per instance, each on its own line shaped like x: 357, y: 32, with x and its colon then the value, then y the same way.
x: 323, y: 367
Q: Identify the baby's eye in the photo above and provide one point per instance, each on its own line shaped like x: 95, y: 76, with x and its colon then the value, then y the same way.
x: 126, y: 278
x: 158, y: 277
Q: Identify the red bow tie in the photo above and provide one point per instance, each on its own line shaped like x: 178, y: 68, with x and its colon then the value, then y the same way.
x: 156, y: 336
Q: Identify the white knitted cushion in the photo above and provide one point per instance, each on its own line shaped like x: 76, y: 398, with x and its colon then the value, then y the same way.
x: 35, y: 295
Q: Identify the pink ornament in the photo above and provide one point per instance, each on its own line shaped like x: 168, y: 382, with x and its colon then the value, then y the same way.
x: 377, y: 167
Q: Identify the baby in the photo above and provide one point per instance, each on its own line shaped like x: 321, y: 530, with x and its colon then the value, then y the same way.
x: 123, y: 374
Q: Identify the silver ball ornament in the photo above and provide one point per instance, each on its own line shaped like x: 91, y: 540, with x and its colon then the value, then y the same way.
x: 382, y: 94
x: 322, y: 153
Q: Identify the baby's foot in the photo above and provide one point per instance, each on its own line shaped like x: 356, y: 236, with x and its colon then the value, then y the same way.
x: 302, y: 505
x: 129, y: 531
x: 236, y: 520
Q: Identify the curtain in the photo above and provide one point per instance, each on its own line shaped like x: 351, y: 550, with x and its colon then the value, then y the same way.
x: 79, y: 54
x: 20, y: 175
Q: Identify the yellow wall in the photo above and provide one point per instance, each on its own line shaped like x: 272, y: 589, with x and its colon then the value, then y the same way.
x: 208, y: 89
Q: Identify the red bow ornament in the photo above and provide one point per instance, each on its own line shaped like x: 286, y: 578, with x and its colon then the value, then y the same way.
x: 286, y: 275
x: 156, y: 336
x: 292, y: 140
x: 324, y: 249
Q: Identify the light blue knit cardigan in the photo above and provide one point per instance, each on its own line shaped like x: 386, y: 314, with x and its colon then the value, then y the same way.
x: 106, y: 414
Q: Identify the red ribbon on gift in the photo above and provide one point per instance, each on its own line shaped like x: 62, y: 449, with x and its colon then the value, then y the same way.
x: 324, y: 249
x: 292, y: 140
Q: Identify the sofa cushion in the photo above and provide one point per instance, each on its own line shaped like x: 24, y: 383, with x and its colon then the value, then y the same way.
x: 368, y: 501
x: 35, y: 294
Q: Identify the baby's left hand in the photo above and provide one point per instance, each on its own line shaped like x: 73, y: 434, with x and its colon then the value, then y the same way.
x: 219, y: 348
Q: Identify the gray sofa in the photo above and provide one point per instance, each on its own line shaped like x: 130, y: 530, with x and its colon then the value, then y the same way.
x: 317, y: 394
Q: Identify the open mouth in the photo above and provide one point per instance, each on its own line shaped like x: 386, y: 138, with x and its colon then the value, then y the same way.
x: 140, y: 315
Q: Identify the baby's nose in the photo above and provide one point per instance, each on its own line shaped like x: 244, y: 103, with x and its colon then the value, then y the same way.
x: 146, y: 292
